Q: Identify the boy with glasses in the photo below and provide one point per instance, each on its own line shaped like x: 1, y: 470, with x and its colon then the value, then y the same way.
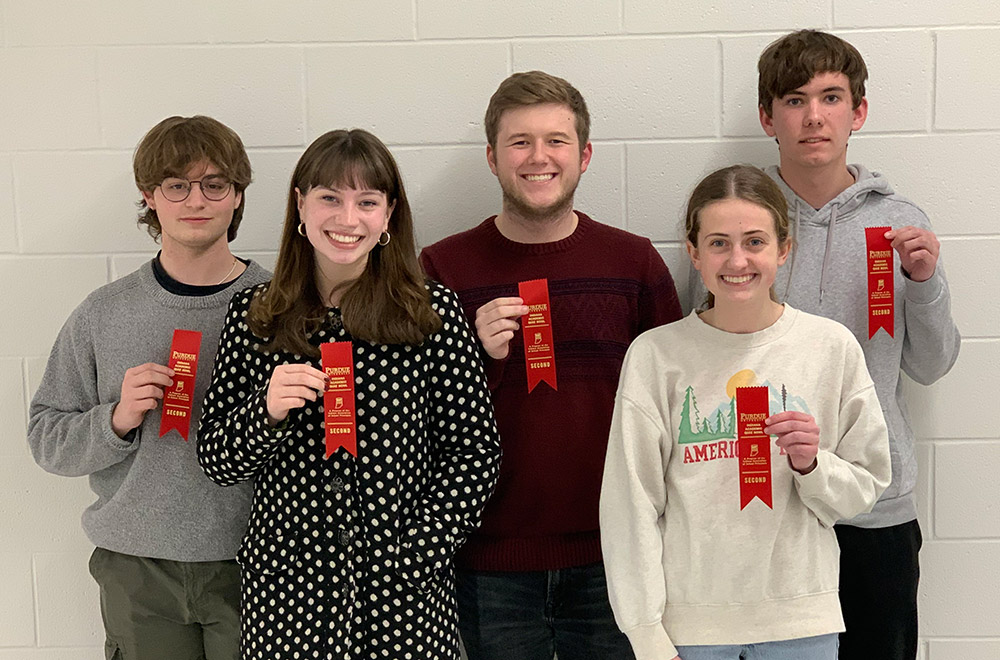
x: 121, y: 398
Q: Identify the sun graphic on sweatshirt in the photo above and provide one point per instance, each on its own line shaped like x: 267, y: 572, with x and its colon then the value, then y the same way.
x: 745, y: 378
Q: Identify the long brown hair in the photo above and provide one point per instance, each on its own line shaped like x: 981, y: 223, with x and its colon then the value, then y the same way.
x: 744, y: 182
x: 388, y: 303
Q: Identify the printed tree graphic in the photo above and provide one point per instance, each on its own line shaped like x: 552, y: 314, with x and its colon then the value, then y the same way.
x: 720, y: 424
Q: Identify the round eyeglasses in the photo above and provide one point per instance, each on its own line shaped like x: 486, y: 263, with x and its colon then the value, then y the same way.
x: 214, y: 188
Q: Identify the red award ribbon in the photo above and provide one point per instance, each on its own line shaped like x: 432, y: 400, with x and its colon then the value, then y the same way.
x: 177, y: 399
x: 338, y: 400
x: 539, y: 349
x: 754, y: 446
x: 881, y: 290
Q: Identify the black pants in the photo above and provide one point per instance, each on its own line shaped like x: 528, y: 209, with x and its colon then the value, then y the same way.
x: 879, y: 572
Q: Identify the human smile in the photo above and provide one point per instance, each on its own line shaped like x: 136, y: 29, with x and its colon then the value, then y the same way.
x: 539, y: 177
x: 343, y: 239
x: 737, y: 279
x: 815, y: 140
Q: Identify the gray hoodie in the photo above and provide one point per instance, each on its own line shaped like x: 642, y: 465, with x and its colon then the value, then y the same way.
x: 827, y: 275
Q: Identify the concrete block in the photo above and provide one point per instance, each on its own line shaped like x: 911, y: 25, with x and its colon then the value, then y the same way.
x: 76, y: 653
x: 927, y: 170
x: 30, y: 328
x: 424, y: 93
x: 266, y: 197
x: 675, y: 256
x: 8, y: 228
x: 633, y: 86
x: 264, y: 259
x: 966, y: 63
x: 68, y: 601
x: 17, y: 607
x: 966, y: 500
x: 124, y: 264
x: 963, y: 404
x: 460, y: 19
x: 438, y: 182
x: 12, y: 400
x: 739, y: 84
x: 924, y: 489
x: 678, y: 16
x: 971, y: 284
x: 959, y: 582
x: 662, y: 175
x: 312, y: 21
x: 244, y: 80
x: 945, y: 649
x: 49, y: 99
x: 102, y: 216
x: 106, y: 22
x: 858, y: 13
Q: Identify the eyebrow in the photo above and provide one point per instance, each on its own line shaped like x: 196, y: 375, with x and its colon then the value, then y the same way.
x: 746, y: 233
x: 361, y: 192
x: 524, y: 134
x: 835, y: 88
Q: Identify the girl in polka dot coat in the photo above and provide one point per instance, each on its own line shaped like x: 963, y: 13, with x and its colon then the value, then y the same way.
x: 349, y: 556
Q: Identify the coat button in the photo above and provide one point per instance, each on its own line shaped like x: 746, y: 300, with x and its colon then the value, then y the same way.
x: 344, y: 536
x: 335, y: 486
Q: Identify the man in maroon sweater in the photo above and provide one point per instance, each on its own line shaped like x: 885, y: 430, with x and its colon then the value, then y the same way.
x: 531, y: 581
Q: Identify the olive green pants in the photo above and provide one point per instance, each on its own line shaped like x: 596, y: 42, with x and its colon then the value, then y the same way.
x: 157, y: 609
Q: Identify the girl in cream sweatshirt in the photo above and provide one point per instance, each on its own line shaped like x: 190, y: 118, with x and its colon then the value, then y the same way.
x: 711, y: 550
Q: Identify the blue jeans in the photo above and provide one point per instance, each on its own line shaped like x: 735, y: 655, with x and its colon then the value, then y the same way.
x: 534, y: 615
x: 823, y: 647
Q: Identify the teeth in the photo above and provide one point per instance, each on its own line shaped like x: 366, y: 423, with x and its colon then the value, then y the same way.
x: 342, y: 238
x: 539, y: 177
x: 733, y: 279
x: 814, y: 140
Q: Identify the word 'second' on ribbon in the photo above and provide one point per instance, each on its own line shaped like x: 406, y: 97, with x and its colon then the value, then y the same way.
x: 539, y: 348
x: 754, y: 447
x: 881, y: 288
x: 179, y: 397
x: 338, y: 399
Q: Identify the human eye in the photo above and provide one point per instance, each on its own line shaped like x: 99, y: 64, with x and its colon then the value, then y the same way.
x: 756, y: 242
x: 716, y: 243
x: 175, y: 185
x: 793, y: 101
x: 832, y: 98
x: 369, y: 203
x: 215, y: 184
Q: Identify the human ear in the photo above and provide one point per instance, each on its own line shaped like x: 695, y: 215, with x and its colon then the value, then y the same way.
x: 147, y: 196
x: 693, y: 254
x: 491, y: 159
x: 860, y: 115
x: 766, y: 121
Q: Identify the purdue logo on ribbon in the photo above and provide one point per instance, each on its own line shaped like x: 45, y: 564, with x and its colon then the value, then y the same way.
x: 177, y: 401
x: 338, y: 399
x: 539, y: 349
x: 881, y: 289
x: 754, y: 447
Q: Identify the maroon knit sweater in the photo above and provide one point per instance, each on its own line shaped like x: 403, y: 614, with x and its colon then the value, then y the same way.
x: 606, y: 286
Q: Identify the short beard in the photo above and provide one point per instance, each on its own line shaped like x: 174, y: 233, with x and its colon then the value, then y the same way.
x: 518, y: 207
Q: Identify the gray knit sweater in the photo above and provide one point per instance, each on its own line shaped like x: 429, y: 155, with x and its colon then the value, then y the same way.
x: 153, y: 500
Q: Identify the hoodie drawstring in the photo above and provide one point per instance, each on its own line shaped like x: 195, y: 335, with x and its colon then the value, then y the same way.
x: 795, y: 242
x: 829, y: 249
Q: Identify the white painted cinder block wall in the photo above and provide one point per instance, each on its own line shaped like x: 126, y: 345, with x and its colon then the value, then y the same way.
x: 671, y: 87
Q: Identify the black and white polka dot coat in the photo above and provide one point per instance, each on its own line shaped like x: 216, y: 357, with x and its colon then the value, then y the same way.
x: 352, y: 557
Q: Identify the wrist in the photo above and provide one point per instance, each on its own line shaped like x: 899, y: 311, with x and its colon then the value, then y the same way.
x: 806, y: 470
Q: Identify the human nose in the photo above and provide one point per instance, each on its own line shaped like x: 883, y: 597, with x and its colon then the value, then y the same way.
x: 814, y: 116
x: 195, y: 196
x: 537, y: 154
x: 737, y: 258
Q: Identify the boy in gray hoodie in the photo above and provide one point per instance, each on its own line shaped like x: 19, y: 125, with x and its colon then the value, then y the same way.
x: 812, y: 97
x: 166, y: 536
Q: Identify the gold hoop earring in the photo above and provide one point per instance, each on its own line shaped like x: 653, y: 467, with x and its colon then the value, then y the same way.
x: 387, y: 238
x: 302, y: 229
